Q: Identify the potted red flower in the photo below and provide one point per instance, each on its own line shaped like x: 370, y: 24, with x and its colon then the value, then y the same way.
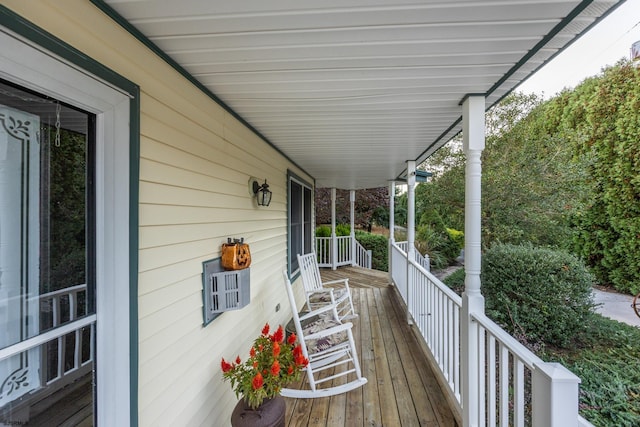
x: 272, y: 364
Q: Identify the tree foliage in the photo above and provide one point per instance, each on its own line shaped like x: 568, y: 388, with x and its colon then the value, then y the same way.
x: 562, y: 173
x: 605, y: 120
x: 371, y: 206
x: 528, y: 175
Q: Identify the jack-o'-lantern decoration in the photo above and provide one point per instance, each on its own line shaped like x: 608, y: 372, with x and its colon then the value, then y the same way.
x: 235, y: 254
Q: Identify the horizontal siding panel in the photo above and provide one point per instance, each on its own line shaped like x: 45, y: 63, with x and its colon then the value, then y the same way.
x: 168, y: 214
x: 165, y: 360
x: 197, y: 126
x: 154, y: 279
x: 165, y: 156
x: 155, y: 322
x: 185, y: 178
x: 153, y: 236
x: 165, y: 194
x: 196, y: 351
x: 191, y: 251
x: 246, y: 152
x: 164, y: 298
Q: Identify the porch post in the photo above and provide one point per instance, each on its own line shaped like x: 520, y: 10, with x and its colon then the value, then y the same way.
x: 334, y: 240
x: 392, y: 227
x: 352, y: 205
x: 473, y: 128
x: 411, y: 231
x: 555, y: 395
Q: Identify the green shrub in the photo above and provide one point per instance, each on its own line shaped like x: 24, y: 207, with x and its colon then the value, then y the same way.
x: 379, y: 247
x: 323, y: 231
x: 456, y: 281
x: 457, y: 236
x: 343, y: 230
x: 537, y: 294
x: 436, y: 243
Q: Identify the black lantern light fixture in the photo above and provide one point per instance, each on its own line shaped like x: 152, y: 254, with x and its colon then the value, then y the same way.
x: 261, y: 192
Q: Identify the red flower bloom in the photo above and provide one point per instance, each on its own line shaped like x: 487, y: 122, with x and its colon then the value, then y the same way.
x: 273, y: 362
x: 257, y: 381
x: 292, y: 338
x: 278, y: 336
x: 226, y: 366
x: 298, y: 357
x: 275, y: 368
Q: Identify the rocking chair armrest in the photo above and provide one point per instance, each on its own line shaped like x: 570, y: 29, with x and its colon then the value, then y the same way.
x: 328, y: 291
x: 325, y: 333
x: 320, y: 291
x: 333, y: 282
x: 318, y: 311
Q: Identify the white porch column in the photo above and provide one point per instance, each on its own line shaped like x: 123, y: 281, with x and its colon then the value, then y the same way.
x: 392, y: 227
x: 352, y: 207
x: 411, y: 230
x: 473, y: 128
x: 334, y: 240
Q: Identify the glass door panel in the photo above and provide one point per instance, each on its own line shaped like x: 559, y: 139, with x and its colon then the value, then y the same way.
x: 47, y: 285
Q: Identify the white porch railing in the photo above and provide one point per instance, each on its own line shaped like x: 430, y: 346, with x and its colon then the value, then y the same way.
x: 423, y: 260
x: 70, y: 336
x: 515, y: 387
x: 363, y: 256
x: 75, y: 341
x: 345, y: 254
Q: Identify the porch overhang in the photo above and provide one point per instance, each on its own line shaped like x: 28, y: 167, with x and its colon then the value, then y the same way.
x: 350, y: 90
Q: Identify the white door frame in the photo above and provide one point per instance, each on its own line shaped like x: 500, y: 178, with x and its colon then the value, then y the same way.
x: 33, y: 67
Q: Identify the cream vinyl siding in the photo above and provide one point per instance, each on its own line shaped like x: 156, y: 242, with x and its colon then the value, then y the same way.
x: 195, y: 165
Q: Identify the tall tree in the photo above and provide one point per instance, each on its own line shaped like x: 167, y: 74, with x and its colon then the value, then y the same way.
x: 606, y: 122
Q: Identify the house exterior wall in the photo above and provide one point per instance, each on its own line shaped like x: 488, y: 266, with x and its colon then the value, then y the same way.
x: 195, y: 163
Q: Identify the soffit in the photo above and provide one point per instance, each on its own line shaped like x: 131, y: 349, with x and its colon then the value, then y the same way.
x: 351, y: 89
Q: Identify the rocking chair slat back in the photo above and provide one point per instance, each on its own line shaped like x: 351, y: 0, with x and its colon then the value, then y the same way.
x: 317, y: 294
x: 310, y: 272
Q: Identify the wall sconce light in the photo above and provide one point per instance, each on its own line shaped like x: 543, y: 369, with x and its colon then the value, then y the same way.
x: 260, y: 191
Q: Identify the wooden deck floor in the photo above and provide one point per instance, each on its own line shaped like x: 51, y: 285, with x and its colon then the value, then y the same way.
x: 402, y: 389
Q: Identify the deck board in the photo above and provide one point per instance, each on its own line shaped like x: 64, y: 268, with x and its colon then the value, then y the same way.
x: 402, y: 389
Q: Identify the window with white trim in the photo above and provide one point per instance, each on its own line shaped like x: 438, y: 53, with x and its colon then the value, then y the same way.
x: 299, y: 220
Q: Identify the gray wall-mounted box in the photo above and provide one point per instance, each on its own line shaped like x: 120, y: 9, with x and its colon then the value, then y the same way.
x: 223, y: 290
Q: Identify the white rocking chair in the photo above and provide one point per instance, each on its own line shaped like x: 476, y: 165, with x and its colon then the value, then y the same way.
x: 329, y: 345
x: 318, y: 295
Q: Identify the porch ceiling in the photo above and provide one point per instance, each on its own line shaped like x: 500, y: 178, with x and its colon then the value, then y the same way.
x: 352, y: 89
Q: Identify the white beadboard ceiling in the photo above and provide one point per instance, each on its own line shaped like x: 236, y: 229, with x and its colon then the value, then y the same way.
x: 351, y: 89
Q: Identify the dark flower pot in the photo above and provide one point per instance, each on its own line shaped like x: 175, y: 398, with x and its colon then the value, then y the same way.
x: 270, y: 414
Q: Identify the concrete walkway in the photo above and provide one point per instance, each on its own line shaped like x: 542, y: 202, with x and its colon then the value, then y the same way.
x: 615, y: 306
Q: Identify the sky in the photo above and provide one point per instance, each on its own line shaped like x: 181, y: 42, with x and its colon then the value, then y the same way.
x: 605, y: 44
